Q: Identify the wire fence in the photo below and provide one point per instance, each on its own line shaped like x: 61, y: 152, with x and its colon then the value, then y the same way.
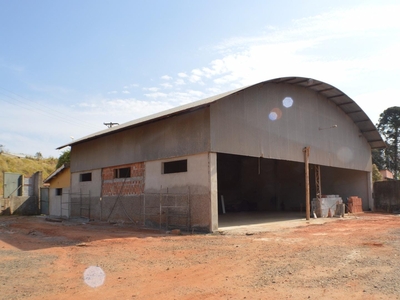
x: 162, y: 210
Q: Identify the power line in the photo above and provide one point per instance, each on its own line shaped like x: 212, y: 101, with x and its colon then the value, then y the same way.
x: 55, y: 115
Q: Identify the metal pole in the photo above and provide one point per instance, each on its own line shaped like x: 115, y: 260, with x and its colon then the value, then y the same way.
x: 318, y: 189
x: 306, y: 151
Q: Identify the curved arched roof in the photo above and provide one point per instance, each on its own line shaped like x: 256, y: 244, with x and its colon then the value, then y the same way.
x: 340, y: 99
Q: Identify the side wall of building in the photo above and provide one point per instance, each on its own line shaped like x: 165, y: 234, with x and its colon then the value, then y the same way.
x: 150, y: 197
x: 176, y: 136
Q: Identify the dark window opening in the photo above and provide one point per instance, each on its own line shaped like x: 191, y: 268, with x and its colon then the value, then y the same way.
x: 176, y: 166
x: 122, y: 173
x: 58, y: 192
x: 86, y: 177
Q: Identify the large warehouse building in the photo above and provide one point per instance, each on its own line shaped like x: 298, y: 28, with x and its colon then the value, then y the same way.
x: 245, y: 150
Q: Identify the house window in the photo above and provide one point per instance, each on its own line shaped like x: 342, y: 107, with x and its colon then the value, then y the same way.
x: 122, y: 173
x: 176, y: 166
x: 58, y: 192
x: 85, y: 177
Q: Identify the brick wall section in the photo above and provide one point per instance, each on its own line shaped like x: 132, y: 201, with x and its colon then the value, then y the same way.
x: 123, y: 186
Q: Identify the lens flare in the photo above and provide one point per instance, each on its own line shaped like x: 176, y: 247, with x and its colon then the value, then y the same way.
x: 275, y: 114
x: 345, y: 154
x: 94, y: 276
x: 287, y: 102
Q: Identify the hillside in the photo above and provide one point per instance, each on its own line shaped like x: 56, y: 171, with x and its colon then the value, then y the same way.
x: 26, y: 166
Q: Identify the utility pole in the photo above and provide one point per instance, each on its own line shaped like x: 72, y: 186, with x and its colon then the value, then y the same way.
x: 110, y: 124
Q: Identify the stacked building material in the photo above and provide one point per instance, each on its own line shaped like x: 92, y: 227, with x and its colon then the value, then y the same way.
x: 354, y: 204
x: 326, y: 206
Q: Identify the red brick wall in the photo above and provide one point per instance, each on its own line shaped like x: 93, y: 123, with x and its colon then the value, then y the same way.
x: 123, y: 186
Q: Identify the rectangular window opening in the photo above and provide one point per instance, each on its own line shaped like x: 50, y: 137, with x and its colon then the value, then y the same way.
x: 122, y: 173
x: 58, y: 192
x: 85, y: 177
x: 176, y: 166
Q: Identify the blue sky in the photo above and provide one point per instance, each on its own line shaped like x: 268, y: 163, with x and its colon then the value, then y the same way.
x: 68, y: 66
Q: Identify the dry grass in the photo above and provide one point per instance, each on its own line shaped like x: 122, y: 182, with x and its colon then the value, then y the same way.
x: 25, y: 166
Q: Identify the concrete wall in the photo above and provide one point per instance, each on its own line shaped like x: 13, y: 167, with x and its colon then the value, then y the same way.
x: 137, y: 199
x: 27, y: 204
x: 173, y: 137
x: 387, y: 196
x: 346, y: 183
x: 196, y: 181
x: 59, y: 206
x: 240, y: 124
x: 85, y: 194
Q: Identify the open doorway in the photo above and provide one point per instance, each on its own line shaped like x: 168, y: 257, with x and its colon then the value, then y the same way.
x: 253, y: 189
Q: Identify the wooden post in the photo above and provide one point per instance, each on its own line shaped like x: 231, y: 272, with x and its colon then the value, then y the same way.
x: 306, y: 151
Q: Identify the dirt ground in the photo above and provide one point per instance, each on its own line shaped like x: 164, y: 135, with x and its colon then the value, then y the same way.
x: 353, y: 257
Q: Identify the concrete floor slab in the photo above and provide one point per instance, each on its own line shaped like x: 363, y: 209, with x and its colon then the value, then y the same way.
x: 241, y: 222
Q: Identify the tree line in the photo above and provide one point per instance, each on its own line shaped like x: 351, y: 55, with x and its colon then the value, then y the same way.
x: 389, y: 127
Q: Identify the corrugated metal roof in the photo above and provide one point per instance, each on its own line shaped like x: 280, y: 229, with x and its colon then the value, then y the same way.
x: 340, y: 99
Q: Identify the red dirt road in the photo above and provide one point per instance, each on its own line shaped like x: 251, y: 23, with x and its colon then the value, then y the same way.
x: 349, y: 258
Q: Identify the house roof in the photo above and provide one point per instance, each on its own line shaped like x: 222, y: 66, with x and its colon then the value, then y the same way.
x: 56, y: 172
x: 340, y: 99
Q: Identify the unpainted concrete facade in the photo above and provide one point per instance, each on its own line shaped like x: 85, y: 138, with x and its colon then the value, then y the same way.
x: 29, y: 202
x: 135, y: 198
x: 270, y: 146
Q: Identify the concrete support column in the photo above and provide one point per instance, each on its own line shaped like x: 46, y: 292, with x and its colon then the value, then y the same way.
x: 212, y: 164
x: 306, y: 151
x: 370, y: 186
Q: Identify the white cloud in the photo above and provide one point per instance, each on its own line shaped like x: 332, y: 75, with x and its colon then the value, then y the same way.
x: 195, y: 78
x: 130, y: 86
x: 112, y: 92
x: 85, y: 104
x: 151, y: 89
x: 179, y: 82
x: 166, y: 85
x: 197, y: 94
x: 197, y: 72
x: 166, y: 77
x: 126, y: 92
x: 182, y: 75
x: 156, y: 95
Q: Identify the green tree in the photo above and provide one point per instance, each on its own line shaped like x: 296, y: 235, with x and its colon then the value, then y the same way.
x: 378, y: 158
x: 64, y: 158
x: 389, y: 126
x: 376, y: 175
